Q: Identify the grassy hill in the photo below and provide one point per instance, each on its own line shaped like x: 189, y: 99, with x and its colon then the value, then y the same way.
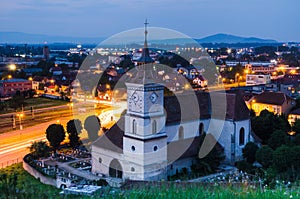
x: 29, y: 187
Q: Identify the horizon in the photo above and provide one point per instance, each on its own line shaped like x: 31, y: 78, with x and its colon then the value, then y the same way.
x: 196, y: 19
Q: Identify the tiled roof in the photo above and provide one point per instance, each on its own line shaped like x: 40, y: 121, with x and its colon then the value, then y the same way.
x: 295, y: 112
x: 236, y: 110
x: 275, y: 98
x: 113, y: 138
x: 183, y: 149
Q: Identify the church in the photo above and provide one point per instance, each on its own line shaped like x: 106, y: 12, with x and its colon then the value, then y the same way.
x: 157, y: 137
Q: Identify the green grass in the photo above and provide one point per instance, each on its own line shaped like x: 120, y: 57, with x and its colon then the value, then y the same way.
x: 40, y: 102
x: 198, y: 191
x: 36, y: 103
x: 34, y: 189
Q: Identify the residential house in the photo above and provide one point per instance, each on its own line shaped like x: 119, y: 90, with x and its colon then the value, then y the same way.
x: 276, y: 102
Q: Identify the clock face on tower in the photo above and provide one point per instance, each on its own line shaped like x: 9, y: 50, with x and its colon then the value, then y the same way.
x: 136, y: 102
x: 153, y: 97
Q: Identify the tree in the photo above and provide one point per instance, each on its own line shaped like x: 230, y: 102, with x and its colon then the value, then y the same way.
x: 55, y: 134
x: 296, y: 126
x: 3, y: 106
x: 296, y: 140
x: 282, y: 158
x: 249, y: 152
x: 281, y: 123
x: 277, y: 139
x: 39, y: 149
x: 286, y: 162
x: 266, y: 123
x: 74, y: 128
x: 264, y: 156
x: 92, y: 125
x: 212, y: 160
x: 17, y: 101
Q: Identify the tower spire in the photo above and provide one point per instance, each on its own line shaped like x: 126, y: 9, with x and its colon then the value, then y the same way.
x: 145, y: 58
x: 146, y: 32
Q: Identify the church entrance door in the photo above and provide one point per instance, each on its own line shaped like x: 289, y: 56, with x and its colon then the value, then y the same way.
x: 115, y: 169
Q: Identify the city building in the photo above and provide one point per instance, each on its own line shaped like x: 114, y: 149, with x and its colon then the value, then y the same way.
x: 276, y: 102
x: 293, y: 116
x: 154, y: 139
x: 9, y: 87
x: 257, y: 79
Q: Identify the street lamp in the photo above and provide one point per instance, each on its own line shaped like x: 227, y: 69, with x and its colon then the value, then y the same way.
x: 236, y: 75
x: 240, y: 79
x: 20, y: 116
x: 70, y: 105
x: 251, y: 104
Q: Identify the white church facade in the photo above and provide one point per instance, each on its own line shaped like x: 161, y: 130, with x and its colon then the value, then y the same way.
x: 155, y: 138
x: 151, y: 145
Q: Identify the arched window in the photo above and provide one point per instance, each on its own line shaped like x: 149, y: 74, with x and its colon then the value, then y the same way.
x: 154, y: 127
x: 133, y: 126
x: 180, y: 133
x: 201, y: 128
x: 242, y: 136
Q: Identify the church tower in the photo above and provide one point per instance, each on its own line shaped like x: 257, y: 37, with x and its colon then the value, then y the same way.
x: 145, y: 140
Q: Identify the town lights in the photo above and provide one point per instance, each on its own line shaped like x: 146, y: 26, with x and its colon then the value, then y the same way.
x: 236, y: 76
x: 12, y: 67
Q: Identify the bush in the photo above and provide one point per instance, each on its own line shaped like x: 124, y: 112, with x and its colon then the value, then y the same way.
x: 249, y: 152
x: 264, y: 156
x: 245, y: 166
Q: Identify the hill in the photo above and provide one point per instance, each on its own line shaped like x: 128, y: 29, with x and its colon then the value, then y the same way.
x: 230, y: 39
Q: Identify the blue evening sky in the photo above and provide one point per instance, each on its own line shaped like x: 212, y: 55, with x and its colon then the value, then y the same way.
x: 269, y: 19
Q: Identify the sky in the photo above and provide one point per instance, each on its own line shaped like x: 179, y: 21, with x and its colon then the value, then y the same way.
x: 268, y: 19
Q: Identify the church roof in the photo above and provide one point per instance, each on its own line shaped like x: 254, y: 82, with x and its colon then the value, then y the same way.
x: 192, y: 146
x: 113, y: 138
x: 236, y: 110
x: 175, y: 149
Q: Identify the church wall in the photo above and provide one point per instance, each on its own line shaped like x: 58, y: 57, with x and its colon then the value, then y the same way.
x: 190, y: 129
x: 143, y: 152
x: 106, y: 157
x: 144, y: 127
x: 238, y: 148
x: 229, y: 139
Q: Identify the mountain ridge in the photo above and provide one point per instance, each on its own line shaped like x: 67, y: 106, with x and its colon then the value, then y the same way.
x: 22, y: 38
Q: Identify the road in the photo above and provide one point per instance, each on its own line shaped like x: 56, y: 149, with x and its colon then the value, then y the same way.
x: 14, y: 144
x: 40, y: 116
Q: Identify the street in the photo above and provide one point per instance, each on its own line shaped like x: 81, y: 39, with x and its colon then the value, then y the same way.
x: 15, y: 144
